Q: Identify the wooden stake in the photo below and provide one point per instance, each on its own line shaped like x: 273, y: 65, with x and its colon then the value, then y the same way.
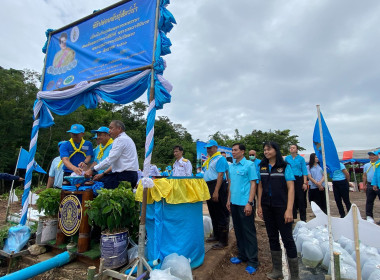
x: 331, y: 240
x: 91, y: 272
x: 336, y: 266
x: 355, y: 221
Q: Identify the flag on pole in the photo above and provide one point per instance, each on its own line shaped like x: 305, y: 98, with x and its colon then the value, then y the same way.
x: 23, y: 162
x: 332, y: 159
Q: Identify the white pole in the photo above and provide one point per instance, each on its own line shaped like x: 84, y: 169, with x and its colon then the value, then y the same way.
x: 10, y: 198
x: 331, y: 240
x: 142, y: 227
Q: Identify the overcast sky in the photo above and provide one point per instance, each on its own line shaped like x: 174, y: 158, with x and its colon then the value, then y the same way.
x: 245, y: 64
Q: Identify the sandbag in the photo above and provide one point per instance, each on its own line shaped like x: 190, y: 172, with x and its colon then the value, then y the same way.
x: 179, y: 266
x: 159, y: 274
x: 375, y: 275
x: 369, y: 267
x: 18, y: 236
x: 311, y: 253
x: 207, y: 226
x: 301, y: 238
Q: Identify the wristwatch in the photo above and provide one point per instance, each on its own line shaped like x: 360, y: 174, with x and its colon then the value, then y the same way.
x: 250, y: 203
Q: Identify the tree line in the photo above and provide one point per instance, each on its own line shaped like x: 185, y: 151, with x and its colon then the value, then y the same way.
x: 18, y: 89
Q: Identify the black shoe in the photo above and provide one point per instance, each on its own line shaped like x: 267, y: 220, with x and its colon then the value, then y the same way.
x: 219, y: 246
x: 211, y: 239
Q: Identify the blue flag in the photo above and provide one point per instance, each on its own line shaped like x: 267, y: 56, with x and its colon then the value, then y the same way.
x: 23, y: 162
x: 332, y: 159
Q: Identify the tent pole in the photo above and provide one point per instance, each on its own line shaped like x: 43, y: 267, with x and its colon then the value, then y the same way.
x: 10, y: 198
x: 327, y: 195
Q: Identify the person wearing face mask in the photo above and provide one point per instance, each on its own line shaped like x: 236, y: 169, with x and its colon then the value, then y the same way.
x: 252, y: 157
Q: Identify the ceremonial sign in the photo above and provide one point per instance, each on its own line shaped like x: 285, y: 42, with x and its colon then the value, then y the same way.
x: 70, y: 215
x: 112, y: 41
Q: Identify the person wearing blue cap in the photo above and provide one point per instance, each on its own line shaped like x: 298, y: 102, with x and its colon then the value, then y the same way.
x: 182, y: 166
x: 122, y: 161
x: 216, y: 167
x: 56, y: 173
x: 103, y: 149
x: 76, y: 153
x: 371, y: 193
x: 299, y: 168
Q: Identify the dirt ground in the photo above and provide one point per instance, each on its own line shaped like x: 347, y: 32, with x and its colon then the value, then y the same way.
x: 226, y: 270
x: 223, y: 269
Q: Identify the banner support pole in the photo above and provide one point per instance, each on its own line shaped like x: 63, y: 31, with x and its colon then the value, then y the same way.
x: 331, y: 240
x: 142, y: 229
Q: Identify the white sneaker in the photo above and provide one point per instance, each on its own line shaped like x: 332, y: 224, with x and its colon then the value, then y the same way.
x: 370, y: 219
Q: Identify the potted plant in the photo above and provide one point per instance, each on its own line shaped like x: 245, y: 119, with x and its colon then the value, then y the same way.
x: 48, y: 201
x: 117, y: 213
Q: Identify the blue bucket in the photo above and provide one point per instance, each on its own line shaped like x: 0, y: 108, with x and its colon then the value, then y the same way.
x: 113, y: 249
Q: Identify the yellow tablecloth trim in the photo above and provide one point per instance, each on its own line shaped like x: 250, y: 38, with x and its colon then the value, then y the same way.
x: 175, y: 191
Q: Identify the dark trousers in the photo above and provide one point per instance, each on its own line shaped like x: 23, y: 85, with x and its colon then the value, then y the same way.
x: 319, y: 197
x: 245, y: 232
x: 113, y: 179
x: 275, y: 223
x: 220, y: 216
x: 371, y: 196
x: 342, y: 191
x: 299, y: 199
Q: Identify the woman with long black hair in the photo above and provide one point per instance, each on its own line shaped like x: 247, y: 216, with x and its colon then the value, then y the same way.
x: 275, y: 206
x: 316, y: 183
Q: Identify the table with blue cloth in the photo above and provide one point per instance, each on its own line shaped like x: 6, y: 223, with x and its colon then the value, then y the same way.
x: 174, y: 218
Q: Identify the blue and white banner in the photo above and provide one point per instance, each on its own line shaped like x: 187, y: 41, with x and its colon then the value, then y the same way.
x: 112, y: 42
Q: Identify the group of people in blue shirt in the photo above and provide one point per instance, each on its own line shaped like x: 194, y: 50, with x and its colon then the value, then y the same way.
x: 113, y: 160
x: 281, y: 186
x: 233, y: 188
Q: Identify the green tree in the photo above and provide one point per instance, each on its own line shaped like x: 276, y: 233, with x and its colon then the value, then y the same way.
x: 256, y: 139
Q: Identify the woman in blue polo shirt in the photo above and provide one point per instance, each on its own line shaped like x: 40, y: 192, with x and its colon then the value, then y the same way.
x: 316, y: 182
x: 341, y: 189
x: 275, y: 206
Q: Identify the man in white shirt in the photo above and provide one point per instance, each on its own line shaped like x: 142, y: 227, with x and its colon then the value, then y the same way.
x: 122, y: 159
x: 182, y: 166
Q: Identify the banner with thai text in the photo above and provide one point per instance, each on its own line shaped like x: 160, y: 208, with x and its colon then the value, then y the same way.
x: 111, y: 42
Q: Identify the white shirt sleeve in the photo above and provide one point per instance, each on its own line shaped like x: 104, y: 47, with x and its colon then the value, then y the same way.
x: 116, y: 151
x: 189, y: 168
